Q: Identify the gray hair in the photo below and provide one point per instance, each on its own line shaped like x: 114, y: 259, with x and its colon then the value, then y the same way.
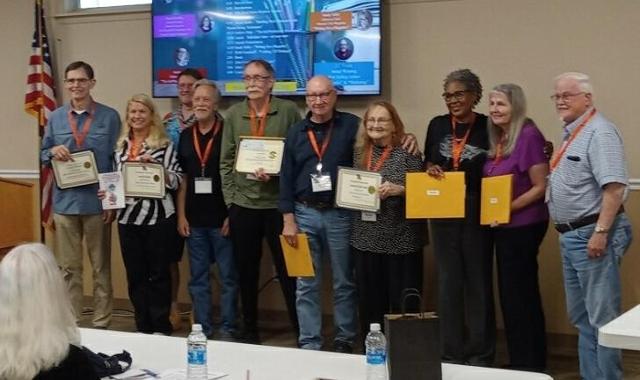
x: 209, y: 83
x: 37, y: 321
x: 518, y: 102
x: 469, y: 80
x: 584, y: 82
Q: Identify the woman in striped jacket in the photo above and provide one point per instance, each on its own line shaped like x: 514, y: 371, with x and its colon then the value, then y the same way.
x: 145, y: 224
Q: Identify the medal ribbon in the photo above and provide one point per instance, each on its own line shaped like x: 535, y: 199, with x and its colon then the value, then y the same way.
x: 566, y: 143
x: 258, y: 126
x: 79, y: 137
x: 381, y: 160
x: 207, y: 151
x: 457, y: 144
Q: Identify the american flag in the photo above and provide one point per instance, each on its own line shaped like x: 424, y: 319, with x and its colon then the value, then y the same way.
x: 40, y: 101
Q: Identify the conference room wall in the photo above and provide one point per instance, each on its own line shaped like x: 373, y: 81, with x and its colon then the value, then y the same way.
x: 521, y: 41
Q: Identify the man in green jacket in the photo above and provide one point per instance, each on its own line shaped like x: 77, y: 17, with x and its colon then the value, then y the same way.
x: 252, y: 197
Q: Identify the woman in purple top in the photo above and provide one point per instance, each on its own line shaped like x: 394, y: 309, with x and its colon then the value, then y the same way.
x: 517, y: 147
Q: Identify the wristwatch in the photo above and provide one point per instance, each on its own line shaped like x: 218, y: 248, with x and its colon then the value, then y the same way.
x: 600, y: 229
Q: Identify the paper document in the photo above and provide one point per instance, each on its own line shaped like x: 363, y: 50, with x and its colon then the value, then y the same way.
x: 495, y: 203
x: 298, y: 260
x: 428, y: 197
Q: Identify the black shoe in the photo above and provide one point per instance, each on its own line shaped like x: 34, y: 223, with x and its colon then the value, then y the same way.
x: 342, y: 347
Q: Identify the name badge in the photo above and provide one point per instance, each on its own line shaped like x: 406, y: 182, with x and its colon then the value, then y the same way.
x: 320, y: 182
x: 368, y: 216
x: 202, y: 185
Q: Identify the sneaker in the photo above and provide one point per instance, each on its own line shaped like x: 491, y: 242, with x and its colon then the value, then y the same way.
x: 342, y: 347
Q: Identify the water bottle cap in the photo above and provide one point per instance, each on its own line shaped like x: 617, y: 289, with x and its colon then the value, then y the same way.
x: 374, y: 327
x: 196, y: 327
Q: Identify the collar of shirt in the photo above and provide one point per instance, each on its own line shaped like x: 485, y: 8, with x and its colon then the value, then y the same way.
x: 573, y: 125
x: 274, y: 106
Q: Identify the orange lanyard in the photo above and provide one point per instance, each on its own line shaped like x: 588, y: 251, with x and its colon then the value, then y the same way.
x: 73, y: 123
x: 207, y: 151
x: 325, y: 143
x: 499, y: 149
x: 457, y: 145
x: 257, y: 127
x: 381, y: 160
x: 135, y: 147
x: 574, y: 134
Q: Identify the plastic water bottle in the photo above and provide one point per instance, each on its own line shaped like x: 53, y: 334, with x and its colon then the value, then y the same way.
x: 196, y: 354
x: 376, y: 350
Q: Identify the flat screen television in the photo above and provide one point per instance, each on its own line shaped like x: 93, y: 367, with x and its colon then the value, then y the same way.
x: 300, y: 38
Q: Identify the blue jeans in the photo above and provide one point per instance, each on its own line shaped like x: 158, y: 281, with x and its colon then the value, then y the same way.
x: 592, y: 287
x: 207, y: 245
x: 328, y: 231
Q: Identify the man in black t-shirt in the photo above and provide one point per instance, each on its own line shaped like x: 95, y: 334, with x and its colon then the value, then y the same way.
x: 202, y: 213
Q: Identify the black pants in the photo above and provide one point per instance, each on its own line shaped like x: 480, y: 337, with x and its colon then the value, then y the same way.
x: 465, y: 289
x: 381, y: 278
x: 516, y: 253
x: 146, y: 259
x: 248, y: 227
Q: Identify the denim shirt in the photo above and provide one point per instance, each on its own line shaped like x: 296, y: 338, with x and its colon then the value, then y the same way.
x: 101, y: 139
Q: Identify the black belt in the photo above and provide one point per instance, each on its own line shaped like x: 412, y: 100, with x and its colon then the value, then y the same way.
x: 317, y: 204
x: 590, y: 219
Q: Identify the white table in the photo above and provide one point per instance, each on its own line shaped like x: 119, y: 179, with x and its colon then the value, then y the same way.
x: 160, y: 353
x: 622, y: 332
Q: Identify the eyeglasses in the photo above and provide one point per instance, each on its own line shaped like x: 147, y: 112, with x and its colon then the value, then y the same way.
x: 321, y: 96
x: 256, y: 78
x: 185, y: 86
x: 81, y: 81
x: 458, y: 95
x: 382, y: 120
x: 565, y: 96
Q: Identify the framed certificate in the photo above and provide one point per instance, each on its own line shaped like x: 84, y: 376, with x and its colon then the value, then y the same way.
x: 79, y: 171
x: 358, y: 189
x: 259, y: 152
x: 143, y: 180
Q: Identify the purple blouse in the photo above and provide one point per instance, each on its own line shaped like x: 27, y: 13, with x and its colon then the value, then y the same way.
x: 528, y: 151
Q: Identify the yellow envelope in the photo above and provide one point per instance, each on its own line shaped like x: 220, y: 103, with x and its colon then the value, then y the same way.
x: 428, y: 197
x: 298, y: 260
x: 495, y: 202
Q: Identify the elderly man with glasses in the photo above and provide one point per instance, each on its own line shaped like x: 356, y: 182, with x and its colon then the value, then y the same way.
x: 585, y: 192
x: 314, y: 149
x: 252, y: 197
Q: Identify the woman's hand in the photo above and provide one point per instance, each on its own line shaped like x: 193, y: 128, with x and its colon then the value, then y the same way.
x: 102, y: 194
x: 435, y: 171
x: 388, y: 189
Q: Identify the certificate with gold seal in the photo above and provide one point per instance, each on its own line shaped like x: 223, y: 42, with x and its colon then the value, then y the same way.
x: 358, y: 189
x: 80, y: 170
x: 259, y: 152
x: 143, y: 180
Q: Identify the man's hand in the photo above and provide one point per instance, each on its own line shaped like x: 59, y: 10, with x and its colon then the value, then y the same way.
x: 108, y: 216
x: 225, y: 227
x: 60, y: 153
x: 261, y: 175
x: 183, y: 227
x: 410, y: 144
x: 597, y: 245
x: 290, y: 230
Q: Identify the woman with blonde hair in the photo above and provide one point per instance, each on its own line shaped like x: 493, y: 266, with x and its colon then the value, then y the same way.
x: 146, y: 225
x: 387, y: 248
x: 38, y: 333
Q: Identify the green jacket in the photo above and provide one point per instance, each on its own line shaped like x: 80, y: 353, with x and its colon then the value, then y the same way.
x: 236, y: 188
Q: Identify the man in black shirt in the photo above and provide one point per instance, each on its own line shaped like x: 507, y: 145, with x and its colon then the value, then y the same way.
x: 202, y: 213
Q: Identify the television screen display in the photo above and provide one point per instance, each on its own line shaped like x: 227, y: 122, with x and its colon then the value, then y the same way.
x: 300, y: 38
